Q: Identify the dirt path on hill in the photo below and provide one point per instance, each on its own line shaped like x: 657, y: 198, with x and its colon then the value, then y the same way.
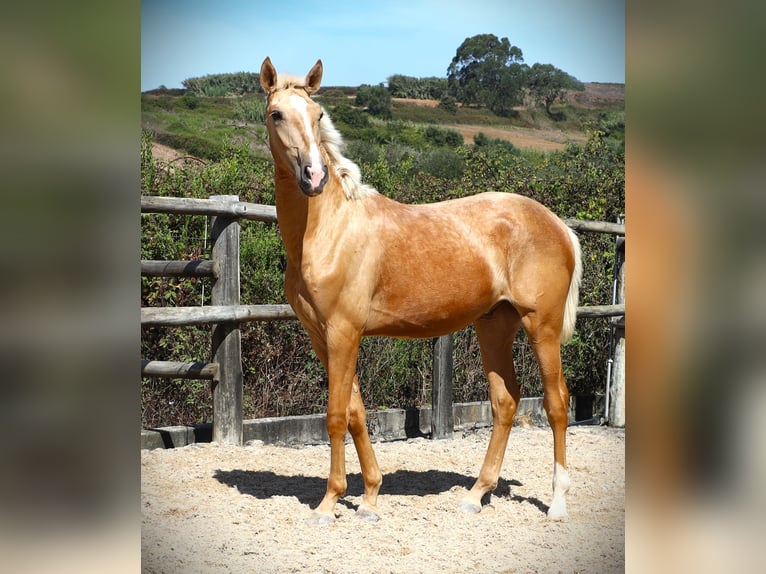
x: 526, y: 138
x: 215, y: 509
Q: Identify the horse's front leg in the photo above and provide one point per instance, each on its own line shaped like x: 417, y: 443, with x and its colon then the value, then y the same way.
x: 342, y: 351
x: 357, y: 426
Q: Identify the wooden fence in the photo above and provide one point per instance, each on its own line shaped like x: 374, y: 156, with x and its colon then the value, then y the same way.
x: 226, y: 313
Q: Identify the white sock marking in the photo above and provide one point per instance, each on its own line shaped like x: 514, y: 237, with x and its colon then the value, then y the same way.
x: 561, y: 483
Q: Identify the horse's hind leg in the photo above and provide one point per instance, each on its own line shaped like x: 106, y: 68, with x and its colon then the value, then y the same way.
x: 496, y: 333
x: 546, y: 346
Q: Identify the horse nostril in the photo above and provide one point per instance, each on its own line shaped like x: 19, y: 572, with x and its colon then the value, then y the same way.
x: 312, y: 179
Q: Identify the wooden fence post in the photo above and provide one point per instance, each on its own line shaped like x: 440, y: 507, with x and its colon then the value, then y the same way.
x: 442, y: 421
x: 617, y: 390
x: 227, y: 390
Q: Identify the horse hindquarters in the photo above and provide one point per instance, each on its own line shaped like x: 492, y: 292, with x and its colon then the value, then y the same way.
x: 545, y: 289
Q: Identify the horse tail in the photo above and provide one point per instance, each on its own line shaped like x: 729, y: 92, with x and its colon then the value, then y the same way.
x: 570, y: 309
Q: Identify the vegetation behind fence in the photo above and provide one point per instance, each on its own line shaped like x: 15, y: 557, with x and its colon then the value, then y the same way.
x: 281, y: 374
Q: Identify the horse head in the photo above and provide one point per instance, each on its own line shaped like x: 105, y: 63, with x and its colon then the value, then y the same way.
x: 292, y: 120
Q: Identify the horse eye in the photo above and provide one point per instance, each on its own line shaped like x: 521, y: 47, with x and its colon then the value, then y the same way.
x: 276, y: 115
x: 321, y: 115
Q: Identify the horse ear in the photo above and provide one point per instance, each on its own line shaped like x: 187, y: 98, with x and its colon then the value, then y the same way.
x: 314, y: 77
x: 268, y: 75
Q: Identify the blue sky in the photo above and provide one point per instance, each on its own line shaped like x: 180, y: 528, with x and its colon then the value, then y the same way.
x: 364, y: 42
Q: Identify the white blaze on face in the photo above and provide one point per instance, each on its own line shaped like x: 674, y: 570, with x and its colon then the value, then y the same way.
x: 301, y: 106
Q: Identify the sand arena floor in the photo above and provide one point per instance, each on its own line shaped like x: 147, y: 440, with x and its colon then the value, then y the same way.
x: 210, y: 508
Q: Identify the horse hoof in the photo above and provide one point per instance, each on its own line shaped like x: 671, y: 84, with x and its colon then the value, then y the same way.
x: 469, y: 507
x: 557, y: 512
x: 367, y: 515
x: 320, y: 519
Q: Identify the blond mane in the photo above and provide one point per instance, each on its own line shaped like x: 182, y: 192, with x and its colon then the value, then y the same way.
x: 347, y: 170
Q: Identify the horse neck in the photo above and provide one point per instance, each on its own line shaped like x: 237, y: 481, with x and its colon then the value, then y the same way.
x: 300, y: 216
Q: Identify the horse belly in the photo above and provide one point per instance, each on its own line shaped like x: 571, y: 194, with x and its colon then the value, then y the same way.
x: 420, y: 301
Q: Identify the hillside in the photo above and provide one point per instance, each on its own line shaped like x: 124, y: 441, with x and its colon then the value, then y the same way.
x: 197, y: 126
x: 535, y: 131
x: 599, y: 95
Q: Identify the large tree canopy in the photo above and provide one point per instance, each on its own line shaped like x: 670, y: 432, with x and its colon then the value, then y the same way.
x: 487, y: 71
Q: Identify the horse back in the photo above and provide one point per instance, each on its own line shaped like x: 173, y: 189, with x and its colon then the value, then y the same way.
x: 440, y: 266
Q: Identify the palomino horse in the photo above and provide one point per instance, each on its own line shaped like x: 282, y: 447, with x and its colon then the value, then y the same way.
x: 361, y: 264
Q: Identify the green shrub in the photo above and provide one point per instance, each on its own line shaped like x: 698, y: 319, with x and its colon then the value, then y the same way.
x: 481, y: 140
x: 442, y: 163
x: 190, y: 100
x: 352, y: 117
x: 376, y: 99
x: 363, y: 151
x: 443, y: 136
x: 448, y: 104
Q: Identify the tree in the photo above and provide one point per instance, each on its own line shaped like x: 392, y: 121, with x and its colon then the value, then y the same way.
x: 487, y: 71
x: 546, y: 84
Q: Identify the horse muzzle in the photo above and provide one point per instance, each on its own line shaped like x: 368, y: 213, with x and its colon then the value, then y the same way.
x: 312, y: 179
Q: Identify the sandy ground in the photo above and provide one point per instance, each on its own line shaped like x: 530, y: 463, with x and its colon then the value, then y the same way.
x: 209, y: 508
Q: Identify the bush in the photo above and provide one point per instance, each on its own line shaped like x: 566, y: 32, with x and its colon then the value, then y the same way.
x: 442, y: 163
x: 376, y: 99
x: 481, y: 140
x: 350, y: 116
x: 443, y: 136
x: 363, y: 151
x: 448, y: 103
x: 190, y: 100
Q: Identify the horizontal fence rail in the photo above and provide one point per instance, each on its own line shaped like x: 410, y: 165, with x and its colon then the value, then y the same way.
x: 182, y: 316
x: 180, y: 370
x: 596, y: 226
x: 593, y: 311
x: 211, y: 206
x: 185, y: 316
x: 225, y: 314
x: 268, y: 213
x: 197, y: 268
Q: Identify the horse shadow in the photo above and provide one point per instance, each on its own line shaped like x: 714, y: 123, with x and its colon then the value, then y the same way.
x: 309, y: 490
